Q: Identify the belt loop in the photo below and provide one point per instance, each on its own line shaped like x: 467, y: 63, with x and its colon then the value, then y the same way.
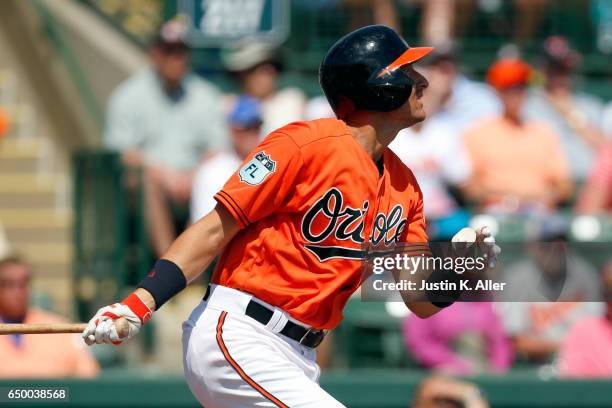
x: 274, y: 320
x: 278, y: 321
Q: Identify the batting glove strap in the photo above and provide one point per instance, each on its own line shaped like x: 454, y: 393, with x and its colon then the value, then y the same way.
x: 101, y: 328
x: 138, y: 307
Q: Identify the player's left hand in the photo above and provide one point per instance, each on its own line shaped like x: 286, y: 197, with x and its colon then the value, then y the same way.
x: 466, y: 237
x: 484, y: 235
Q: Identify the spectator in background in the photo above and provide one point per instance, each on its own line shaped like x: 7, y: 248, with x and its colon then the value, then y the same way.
x: 445, y: 20
x: 518, y: 165
x: 547, y: 292
x: 465, y: 338
x: 587, y: 349
x: 432, y: 150
x: 245, y: 127
x: 360, y: 12
x: 164, y: 121
x: 257, y: 69
x: 366, y: 12
x: 48, y: 356
x: 596, y: 196
x: 444, y: 392
x: 576, y: 117
x: 454, y: 99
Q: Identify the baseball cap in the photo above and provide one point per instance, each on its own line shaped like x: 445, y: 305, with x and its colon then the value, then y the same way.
x: 173, y: 34
x: 446, y: 51
x: 548, y: 227
x: 508, y: 73
x: 246, y: 113
x: 248, y: 55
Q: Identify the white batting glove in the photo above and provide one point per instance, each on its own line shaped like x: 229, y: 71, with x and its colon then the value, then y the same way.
x: 101, y: 329
x: 484, y: 235
x: 464, y: 239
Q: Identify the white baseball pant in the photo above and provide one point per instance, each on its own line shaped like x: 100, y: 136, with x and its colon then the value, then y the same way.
x: 231, y: 360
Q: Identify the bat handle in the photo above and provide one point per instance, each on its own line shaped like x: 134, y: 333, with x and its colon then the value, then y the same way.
x: 122, y: 327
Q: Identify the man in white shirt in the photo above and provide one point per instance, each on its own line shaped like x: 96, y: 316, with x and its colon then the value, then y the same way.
x: 438, y: 160
x: 245, y: 126
x: 547, y: 292
x: 163, y: 121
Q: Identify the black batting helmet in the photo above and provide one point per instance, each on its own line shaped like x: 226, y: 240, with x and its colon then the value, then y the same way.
x: 361, y: 71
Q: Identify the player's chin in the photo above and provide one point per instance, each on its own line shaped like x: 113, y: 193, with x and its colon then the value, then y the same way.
x: 417, y: 112
x: 419, y: 116
x: 413, y: 119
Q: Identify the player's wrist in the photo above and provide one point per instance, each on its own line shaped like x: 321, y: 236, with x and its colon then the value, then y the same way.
x: 165, y: 280
x: 147, y: 298
x: 137, y: 305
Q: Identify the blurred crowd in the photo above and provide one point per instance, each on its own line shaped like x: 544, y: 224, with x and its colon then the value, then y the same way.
x: 523, y: 143
x: 520, y: 144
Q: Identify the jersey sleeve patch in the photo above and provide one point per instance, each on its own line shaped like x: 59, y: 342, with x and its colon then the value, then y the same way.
x: 253, y: 192
x: 256, y: 170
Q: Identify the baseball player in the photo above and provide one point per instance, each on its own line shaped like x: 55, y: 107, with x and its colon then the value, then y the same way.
x: 290, y: 227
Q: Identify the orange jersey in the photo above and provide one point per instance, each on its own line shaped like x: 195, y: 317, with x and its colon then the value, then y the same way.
x: 306, y: 199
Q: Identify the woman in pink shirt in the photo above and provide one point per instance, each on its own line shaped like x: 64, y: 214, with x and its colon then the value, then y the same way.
x: 587, y: 349
x: 465, y: 338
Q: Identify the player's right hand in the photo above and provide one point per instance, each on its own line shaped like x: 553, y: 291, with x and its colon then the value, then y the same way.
x: 103, y: 328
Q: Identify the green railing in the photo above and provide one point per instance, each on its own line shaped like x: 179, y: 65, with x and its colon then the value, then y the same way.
x: 110, y: 237
x: 356, y: 389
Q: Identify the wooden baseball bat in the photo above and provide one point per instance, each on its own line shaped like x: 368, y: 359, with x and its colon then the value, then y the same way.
x: 50, y: 328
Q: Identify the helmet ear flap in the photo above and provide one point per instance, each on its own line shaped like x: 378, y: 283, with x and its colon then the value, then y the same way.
x: 344, y: 107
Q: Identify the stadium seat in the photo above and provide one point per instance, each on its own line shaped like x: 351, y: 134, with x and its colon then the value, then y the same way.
x: 370, y: 337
